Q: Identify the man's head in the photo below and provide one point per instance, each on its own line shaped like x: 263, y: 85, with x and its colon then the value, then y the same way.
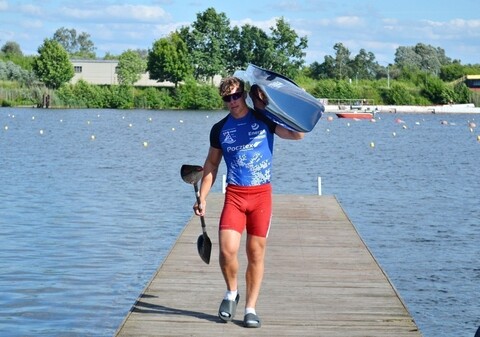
x: 231, y: 88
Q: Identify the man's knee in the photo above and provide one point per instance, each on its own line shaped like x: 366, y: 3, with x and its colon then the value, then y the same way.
x: 256, y: 249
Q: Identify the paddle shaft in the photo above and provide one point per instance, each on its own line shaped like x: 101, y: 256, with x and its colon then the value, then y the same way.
x: 202, y: 219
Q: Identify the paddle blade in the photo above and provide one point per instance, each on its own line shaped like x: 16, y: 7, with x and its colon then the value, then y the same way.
x: 204, y: 246
x: 191, y: 174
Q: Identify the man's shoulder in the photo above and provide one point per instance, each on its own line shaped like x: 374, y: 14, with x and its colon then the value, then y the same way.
x: 261, y: 117
x: 221, y: 122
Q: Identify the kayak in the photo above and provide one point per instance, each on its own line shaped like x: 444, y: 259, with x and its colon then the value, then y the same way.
x: 286, y: 103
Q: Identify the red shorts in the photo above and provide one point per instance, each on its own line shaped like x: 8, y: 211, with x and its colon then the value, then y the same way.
x: 247, y: 207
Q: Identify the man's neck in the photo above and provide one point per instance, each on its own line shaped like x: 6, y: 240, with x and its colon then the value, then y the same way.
x: 237, y: 114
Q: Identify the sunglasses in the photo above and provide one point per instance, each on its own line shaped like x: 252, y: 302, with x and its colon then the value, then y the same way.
x: 232, y: 97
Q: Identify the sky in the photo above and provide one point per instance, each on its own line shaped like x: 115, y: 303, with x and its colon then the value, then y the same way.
x: 377, y: 26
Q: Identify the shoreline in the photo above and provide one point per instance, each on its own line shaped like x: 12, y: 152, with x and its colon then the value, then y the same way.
x: 435, y: 109
x: 329, y: 108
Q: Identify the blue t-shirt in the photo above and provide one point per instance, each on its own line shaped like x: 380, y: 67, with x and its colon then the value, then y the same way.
x: 247, y: 147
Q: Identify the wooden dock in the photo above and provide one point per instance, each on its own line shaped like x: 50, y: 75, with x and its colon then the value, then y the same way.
x: 320, y: 280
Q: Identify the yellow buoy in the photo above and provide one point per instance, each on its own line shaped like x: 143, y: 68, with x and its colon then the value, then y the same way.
x: 145, y: 144
x: 92, y: 137
x: 372, y: 144
x: 478, y: 138
x: 6, y: 127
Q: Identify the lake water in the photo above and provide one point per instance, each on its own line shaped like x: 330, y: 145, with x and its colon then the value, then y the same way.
x: 91, y: 202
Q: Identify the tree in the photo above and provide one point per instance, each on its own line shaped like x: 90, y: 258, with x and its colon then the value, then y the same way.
x: 130, y: 67
x: 342, y: 60
x: 80, y: 46
x: 11, y: 51
x: 254, y: 46
x: 423, y: 57
x: 168, y: 60
x: 207, y: 43
x: 406, y: 57
x: 288, y: 49
x: 429, y: 58
x: 363, y: 65
x: 86, y: 48
x: 67, y: 39
x: 324, y: 70
x: 11, y: 48
x: 53, y: 66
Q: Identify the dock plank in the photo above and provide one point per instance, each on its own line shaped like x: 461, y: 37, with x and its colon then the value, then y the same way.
x: 320, y: 280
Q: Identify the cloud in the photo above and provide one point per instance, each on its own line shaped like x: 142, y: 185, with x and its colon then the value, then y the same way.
x: 455, y: 23
x: 3, y: 5
x: 160, y: 31
x: 288, y: 6
x: 348, y: 21
x: 136, y: 13
x: 32, y: 23
x: 455, y: 28
x: 263, y: 24
x: 31, y: 9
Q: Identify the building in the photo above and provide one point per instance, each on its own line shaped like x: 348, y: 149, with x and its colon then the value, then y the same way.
x: 473, y: 82
x: 105, y: 72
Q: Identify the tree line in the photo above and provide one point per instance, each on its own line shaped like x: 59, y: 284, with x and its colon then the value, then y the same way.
x: 420, y: 74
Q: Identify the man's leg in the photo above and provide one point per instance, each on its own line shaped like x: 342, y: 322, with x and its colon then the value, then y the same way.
x: 256, y: 264
x: 229, y: 245
x: 229, y: 241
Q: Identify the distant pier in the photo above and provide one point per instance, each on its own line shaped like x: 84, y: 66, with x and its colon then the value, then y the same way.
x: 320, y: 280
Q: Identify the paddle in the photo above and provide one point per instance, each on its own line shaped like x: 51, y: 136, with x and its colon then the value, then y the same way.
x: 191, y: 174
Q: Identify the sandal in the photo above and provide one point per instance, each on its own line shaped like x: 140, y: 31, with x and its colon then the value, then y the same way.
x: 227, y: 309
x: 251, y: 321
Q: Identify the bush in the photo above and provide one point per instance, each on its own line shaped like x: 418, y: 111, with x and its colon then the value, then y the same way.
x: 5, y: 104
x: 153, y: 98
x: 398, y: 94
x: 419, y: 89
x: 119, y: 97
x: 334, y: 89
x: 436, y: 91
x: 9, y: 71
x: 194, y: 96
x: 462, y: 93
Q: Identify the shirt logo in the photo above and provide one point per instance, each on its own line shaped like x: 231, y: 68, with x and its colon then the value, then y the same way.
x: 228, y: 138
x: 255, y: 126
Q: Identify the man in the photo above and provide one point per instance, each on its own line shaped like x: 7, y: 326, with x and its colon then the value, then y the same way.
x: 244, y: 138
